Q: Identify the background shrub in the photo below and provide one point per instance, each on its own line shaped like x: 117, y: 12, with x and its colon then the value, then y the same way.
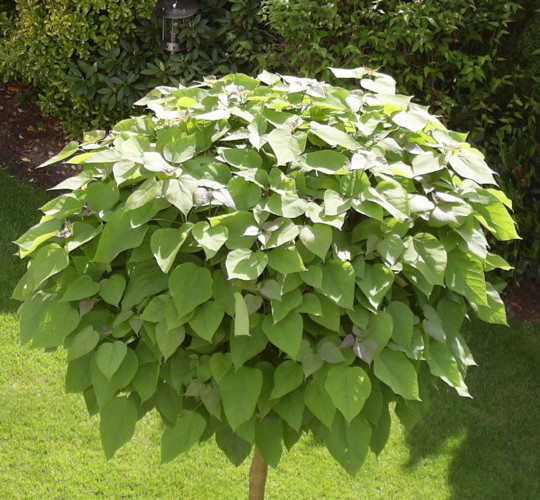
x: 7, y: 16
x: 93, y: 59
x: 440, y: 49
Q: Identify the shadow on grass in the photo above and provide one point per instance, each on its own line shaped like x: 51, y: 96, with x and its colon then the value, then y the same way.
x: 499, y: 456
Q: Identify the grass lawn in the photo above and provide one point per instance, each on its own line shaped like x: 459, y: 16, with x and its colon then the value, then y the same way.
x: 485, y: 448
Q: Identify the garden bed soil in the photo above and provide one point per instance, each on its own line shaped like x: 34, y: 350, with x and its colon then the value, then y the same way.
x: 28, y: 138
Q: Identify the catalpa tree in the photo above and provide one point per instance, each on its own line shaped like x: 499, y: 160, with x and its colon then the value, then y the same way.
x: 261, y: 258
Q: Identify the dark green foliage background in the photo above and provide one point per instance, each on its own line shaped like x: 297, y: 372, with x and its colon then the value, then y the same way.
x: 92, y: 60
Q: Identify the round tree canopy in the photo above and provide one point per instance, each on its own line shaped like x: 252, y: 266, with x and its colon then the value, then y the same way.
x: 259, y: 258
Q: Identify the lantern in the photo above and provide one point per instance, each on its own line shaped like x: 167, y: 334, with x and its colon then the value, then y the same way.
x: 172, y: 14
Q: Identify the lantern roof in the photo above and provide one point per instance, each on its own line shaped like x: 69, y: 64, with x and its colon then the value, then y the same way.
x: 176, y: 9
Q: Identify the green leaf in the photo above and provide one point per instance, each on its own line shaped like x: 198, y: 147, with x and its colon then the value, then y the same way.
x: 80, y: 288
x: 338, y: 283
x: 180, y: 150
x: 78, y: 375
x: 244, y: 348
x: 154, y: 162
x: 334, y: 136
x: 426, y: 253
x: 241, y: 316
x: 271, y: 290
x: 82, y: 233
x: 179, y: 192
x: 285, y: 334
x: 474, y: 239
x: 379, y: 330
x: 125, y: 170
x: 381, y: 432
x: 389, y: 201
x: 319, y: 402
x: 390, y: 249
x: 146, y: 279
x: 311, y: 304
x: 317, y: 239
x: 291, y: 408
x: 285, y: 260
x: 207, y: 319
x: 236, y: 448
x: 268, y: 439
x: 442, y: 364
x: 106, y: 389
x: 236, y: 223
x: 148, y: 191
x: 381, y: 84
x: 166, y: 243
x: 349, y: 388
x: 244, y: 264
x: 83, y: 343
x: 36, y: 235
x: 102, y: 196
x: 313, y: 276
x: 376, y: 283
x: 47, y: 323
x: 168, y: 340
x: 395, y: 370
x: 240, y: 391
x: 349, y: 442
x: 330, y: 352
x: 112, y: 289
x: 327, y: 162
x: 109, y: 357
x: 146, y: 380
x: 396, y: 195
x: 288, y: 231
x: 286, y: 205
x: 403, y: 319
x: 242, y: 158
x: 187, y: 431
x: 117, y: 425
x: 334, y: 203
x: 211, y: 239
x: 496, y: 219
x: 287, y: 377
x: 472, y: 166
x: 220, y: 364
x: 117, y: 236
x: 427, y: 163
x: 432, y: 324
x: 415, y: 121
x: 465, y: 275
x: 245, y: 194
x: 48, y: 261
x: 190, y: 286
x: 285, y: 145
x: 69, y: 149
x: 154, y: 312
x: 408, y: 414
x: 495, y: 311
x: 287, y: 303
x: 331, y: 314
x: 64, y: 205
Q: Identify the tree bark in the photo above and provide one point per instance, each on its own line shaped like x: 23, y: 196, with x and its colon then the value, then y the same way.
x: 257, y: 476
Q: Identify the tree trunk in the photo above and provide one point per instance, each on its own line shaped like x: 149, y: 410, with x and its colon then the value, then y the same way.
x: 257, y: 476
